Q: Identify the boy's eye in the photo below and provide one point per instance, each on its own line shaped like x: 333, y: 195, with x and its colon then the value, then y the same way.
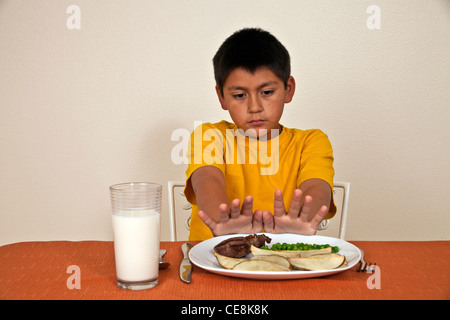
x: 239, y: 95
x: 267, y: 92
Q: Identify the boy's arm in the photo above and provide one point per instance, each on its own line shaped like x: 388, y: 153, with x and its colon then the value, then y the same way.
x: 319, y: 190
x: 215, y: 209
x: 208, y: 184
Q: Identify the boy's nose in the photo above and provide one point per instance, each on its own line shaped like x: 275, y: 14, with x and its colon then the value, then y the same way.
x: 254, y: 105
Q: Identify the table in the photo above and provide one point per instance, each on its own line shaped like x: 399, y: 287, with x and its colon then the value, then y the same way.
x: 41, y: 270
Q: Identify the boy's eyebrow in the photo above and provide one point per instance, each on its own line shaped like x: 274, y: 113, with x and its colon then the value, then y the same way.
x: 265, y: 84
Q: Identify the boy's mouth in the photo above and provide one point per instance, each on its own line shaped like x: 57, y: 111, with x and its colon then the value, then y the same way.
x: 256, y: 122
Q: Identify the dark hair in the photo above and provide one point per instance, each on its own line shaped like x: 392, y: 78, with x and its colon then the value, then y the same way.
x: 251, y: 49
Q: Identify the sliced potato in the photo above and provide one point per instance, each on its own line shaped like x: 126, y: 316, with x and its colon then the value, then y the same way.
x: 259, y: 265
x: 286, y: 253
x: 264, y: 252
x: 308, y: 253
x: 275, y: 259
x: 227, y: 262
x: 318, y: 262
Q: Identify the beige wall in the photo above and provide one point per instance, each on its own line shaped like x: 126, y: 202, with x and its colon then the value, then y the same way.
x: 83, y: 109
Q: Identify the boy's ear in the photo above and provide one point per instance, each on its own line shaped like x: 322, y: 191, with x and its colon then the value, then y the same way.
x: 221, y: 100
x: 290, y: 90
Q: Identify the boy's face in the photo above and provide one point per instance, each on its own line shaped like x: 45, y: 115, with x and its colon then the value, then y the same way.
x: 255, y: 100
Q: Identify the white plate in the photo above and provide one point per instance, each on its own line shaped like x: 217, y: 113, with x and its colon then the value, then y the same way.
x: 202, y: 255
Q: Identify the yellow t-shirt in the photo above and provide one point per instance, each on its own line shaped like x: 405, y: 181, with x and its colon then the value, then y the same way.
x: 257, y: 168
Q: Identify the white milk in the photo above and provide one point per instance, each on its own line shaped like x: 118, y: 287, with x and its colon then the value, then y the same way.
x: 136, y: 245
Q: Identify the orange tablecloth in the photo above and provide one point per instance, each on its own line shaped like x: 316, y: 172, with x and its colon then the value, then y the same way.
x: 38, y: 270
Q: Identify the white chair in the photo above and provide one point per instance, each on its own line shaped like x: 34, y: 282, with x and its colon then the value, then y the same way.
x: 180, y: 211
x: 337, y: 225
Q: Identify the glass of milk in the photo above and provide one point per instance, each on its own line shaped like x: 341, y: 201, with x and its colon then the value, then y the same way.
x: 136, y: 209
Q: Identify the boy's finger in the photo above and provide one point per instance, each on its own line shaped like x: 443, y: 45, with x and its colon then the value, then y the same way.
x: 320, y: 215
x: 305, y: 214
x: 296, y: 204
x: 235, y: 211
x: 224, y: 213
x: 268, y: 221
x: 257, y: 223
x: 207, y: 220
x: 278, y: 204
x: 247, y: 206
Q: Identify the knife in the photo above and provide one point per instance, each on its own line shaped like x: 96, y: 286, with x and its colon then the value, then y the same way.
x: 186, y: 266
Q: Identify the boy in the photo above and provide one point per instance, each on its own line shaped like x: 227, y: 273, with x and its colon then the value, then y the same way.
x: 230, y: 163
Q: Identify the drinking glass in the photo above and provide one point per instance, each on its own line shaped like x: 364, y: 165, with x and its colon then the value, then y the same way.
x: 136, y: 210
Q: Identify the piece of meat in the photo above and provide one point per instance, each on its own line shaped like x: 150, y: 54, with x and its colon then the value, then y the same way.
x: 238, y: 247
x: 258, y: 240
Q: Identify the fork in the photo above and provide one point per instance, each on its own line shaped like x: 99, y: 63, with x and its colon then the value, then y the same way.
x: 362, y: 263
x: 371, y: 267
x: 363, y: 266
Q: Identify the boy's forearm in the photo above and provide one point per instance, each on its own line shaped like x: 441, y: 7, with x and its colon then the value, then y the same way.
x: 208, y: 184
x: 319, y: 190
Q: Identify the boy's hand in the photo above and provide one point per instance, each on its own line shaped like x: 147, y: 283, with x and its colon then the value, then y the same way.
x: 301, y: 218
x: 235, y: 220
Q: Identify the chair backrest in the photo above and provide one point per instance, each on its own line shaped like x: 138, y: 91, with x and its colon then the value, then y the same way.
x: 336, y: 227
x: 180, y: 212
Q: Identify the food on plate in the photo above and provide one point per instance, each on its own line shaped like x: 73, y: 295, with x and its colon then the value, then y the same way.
x: 227, y: 262
x: 230, y: 255
x: 258, y: 240
x: 259, y: 263
x: 300, y: 246
x: 238, y: 247
x: 289, y: 253
x: 264, y: 252
x: 298, y: 249
x: 318, y: 262
x: 275, y: 259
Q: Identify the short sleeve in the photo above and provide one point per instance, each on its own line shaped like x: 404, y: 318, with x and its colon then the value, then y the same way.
x: 317, y: 162
x: 205, y: 148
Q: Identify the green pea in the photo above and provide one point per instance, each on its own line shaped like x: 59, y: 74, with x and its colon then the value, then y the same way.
x: 299, y: 246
